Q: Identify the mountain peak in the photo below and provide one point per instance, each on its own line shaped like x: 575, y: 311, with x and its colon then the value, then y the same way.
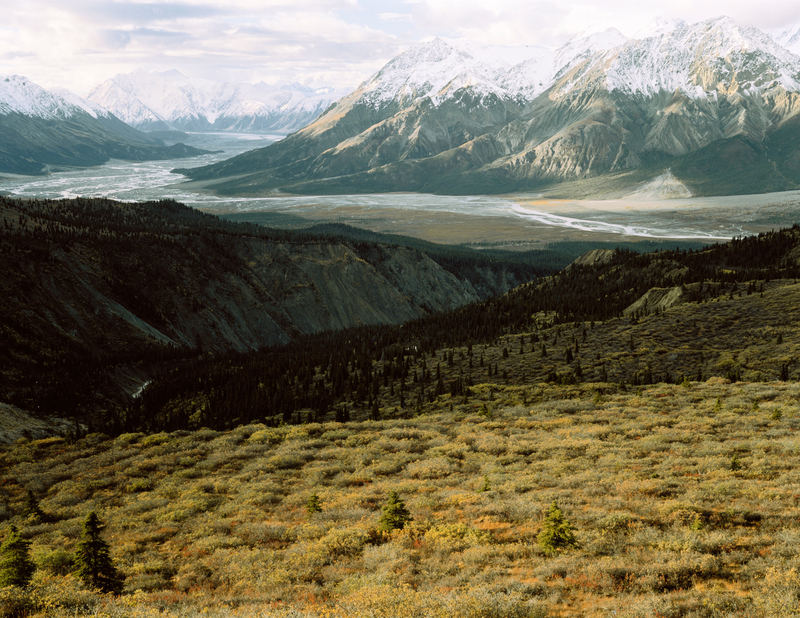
x: 659, y: 26
x: 18, y: 94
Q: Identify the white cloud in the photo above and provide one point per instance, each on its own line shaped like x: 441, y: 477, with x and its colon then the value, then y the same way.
x: 334, y: 42
x: 404, y: 17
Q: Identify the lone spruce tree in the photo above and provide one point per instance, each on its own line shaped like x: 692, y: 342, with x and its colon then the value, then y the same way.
x: 394, y: 514
x: 16, y: 566
x: 93, y: 558
x: 556, y: 533
x: 32, y: 511
x: 313, y: 504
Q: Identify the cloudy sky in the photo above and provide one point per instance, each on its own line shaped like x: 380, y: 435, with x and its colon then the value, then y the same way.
x: 77, y: 44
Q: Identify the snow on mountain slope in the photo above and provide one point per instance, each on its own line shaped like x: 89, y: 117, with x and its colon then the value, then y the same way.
x: 530, y: 78
x: 711, y: 58
x: 20, y: 95
x: 659, y: 26
x: 788, y: 38
x: 43, y: 130
x: 444, y: 115
x: 127, y: 107
x: 591, y: 44
x: 439, y: 68
x: 171, y: 100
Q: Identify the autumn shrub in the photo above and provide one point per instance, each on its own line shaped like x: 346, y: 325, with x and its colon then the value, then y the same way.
x: 435, y: 468
x: 455, y: 536
x: 155, y: 439
x: 345, y: 542
x: 55, y: 561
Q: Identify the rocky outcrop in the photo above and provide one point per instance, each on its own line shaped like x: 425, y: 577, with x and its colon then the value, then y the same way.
x: 15, y: 424
x: 596, y: 257
x: 656, y: 299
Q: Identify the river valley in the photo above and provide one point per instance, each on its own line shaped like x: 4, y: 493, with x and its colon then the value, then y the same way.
x: 660, y: 210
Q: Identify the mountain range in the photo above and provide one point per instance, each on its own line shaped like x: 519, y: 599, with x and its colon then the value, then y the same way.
x: 169, y: 101
x: 715, y: 102
x: 46, y: 130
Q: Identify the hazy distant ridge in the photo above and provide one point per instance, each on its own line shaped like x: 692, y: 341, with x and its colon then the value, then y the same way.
x: 170, y: 100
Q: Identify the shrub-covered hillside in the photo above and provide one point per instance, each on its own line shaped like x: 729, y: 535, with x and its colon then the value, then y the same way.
x: 683, y: 500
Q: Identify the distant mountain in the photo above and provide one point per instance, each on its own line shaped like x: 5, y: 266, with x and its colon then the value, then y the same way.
x: 43, y: 130
x: 170, y: 100
x: 453, y: 117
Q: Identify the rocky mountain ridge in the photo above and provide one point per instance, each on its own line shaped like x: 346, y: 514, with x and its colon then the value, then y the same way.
x: 450, y: 117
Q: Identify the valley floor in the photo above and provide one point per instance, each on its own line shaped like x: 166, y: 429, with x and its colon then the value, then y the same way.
x: 529, y: 221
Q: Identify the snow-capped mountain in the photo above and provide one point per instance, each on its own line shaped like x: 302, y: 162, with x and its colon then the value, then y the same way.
x: 44, y: 129
x: 712, y: 58
x: 170, y: 100
x: 20, y: 95
x: 446, y: 115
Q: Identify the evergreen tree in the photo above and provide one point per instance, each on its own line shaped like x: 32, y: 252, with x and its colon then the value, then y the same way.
x: 556, y: 532
x: 93, y: 558
x: 313, y: 504
x: 394, y: 514
x: 16, y: 566
x: 32, y: 511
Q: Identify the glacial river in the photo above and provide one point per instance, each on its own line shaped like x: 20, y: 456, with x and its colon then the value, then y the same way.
x: 520, y: 220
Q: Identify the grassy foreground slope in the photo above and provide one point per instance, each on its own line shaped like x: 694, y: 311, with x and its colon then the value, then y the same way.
x: 685, y: 500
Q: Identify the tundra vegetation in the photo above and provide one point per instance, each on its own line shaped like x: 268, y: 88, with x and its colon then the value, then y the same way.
x: 673, y: 500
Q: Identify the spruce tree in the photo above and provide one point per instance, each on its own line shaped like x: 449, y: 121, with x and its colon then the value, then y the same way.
x: 556, y: 533
x: 313, y: 504
x: 32, y: 511
x: 93, y: 558
x: 16, y: 566
x: 394, y: 514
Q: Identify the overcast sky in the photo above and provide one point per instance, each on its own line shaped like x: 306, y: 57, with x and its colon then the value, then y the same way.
x: 77, y: 44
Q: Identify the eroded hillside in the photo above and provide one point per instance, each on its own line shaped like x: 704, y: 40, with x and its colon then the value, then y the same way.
x: 94, y: 290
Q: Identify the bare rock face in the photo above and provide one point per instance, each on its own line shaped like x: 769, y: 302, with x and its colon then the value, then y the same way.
x: 595, y: 257
x: 112, y: 290
x: 286, y: 290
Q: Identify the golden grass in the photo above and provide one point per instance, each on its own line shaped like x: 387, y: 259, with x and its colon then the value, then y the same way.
x: 669, y: 524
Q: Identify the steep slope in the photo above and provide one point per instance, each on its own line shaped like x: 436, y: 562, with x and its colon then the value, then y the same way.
x: 439, y: 118
x: 169, y: 100
x: 616, y: 317
x: 43, y: 130
x: 93, y: 288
